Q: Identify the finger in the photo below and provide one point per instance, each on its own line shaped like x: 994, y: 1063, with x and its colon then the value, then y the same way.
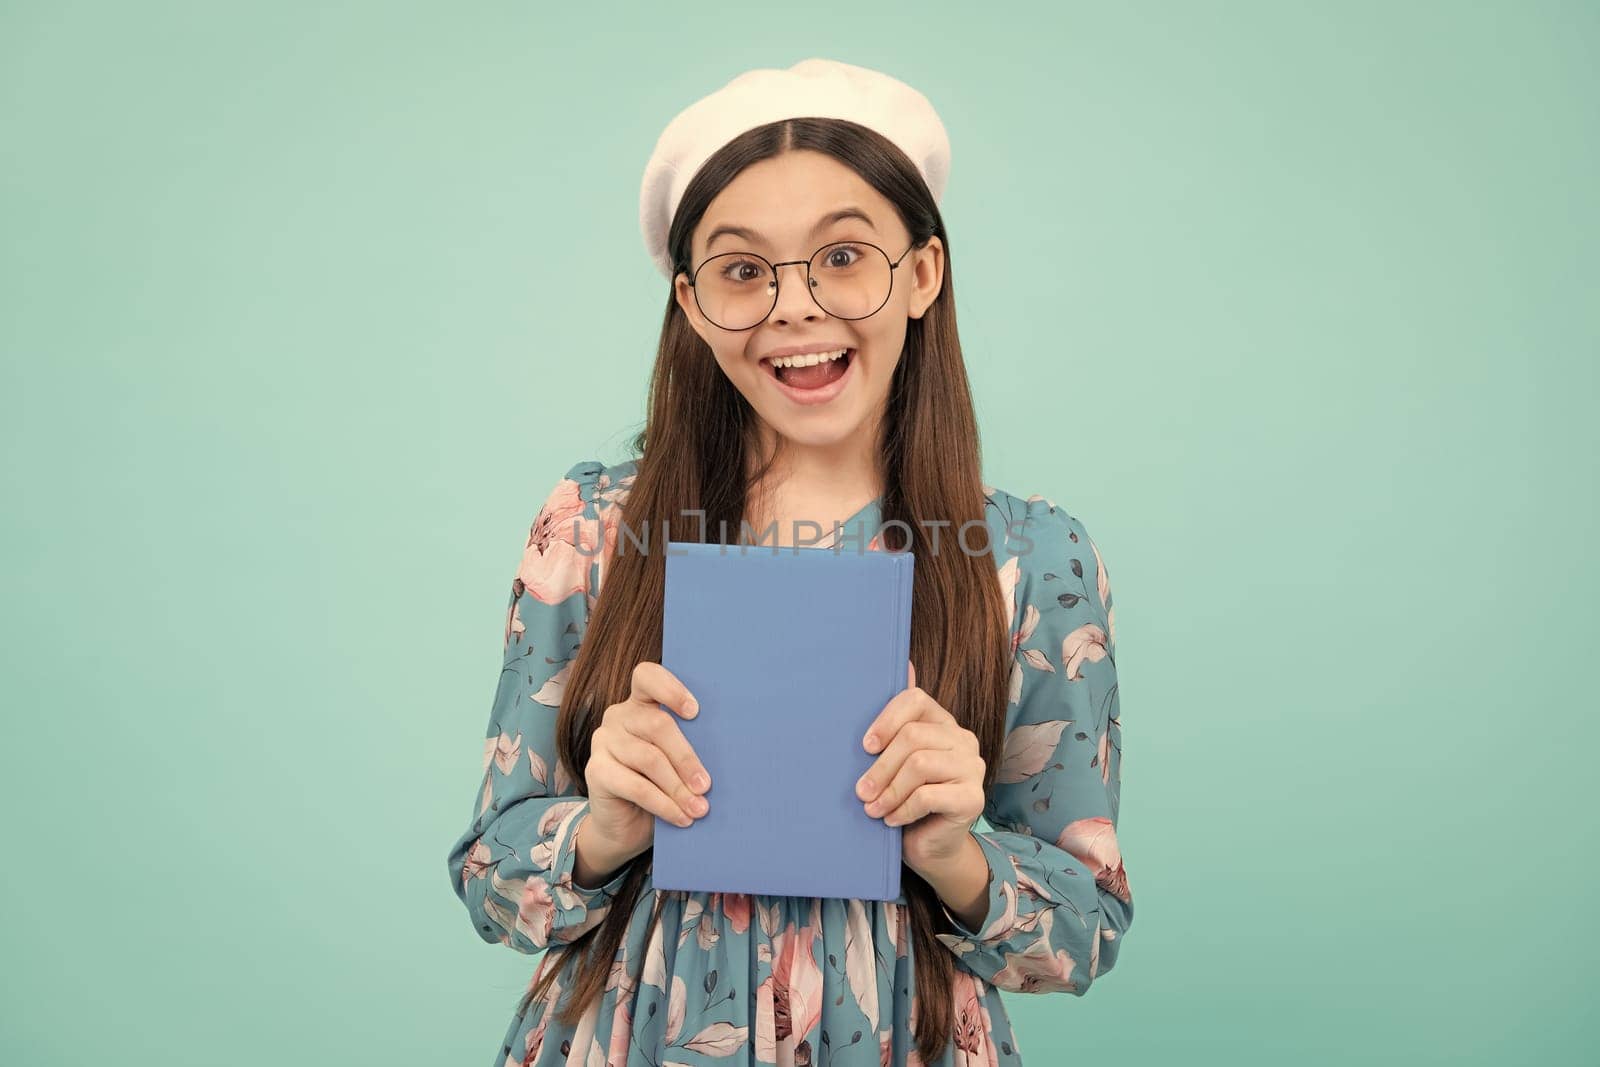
x: 921, y: 752
x: 946, y: 798
x: 642, y: 756
x: 662, y: 730
x: 654, y: 684
x: 634, y: 787
x: 911, y: 737
x: 905, y: 706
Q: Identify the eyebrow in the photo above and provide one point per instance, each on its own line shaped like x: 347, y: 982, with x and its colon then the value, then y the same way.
x: 848, y: 212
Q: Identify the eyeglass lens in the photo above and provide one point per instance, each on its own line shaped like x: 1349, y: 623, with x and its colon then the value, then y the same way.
x: 849, y: 280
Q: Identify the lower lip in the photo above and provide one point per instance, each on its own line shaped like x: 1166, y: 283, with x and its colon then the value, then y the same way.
x: 816, y: 396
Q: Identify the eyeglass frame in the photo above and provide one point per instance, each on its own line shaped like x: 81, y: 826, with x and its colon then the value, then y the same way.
x: 777, y: 280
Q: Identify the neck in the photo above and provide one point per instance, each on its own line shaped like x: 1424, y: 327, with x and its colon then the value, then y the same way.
x: 850, y: 468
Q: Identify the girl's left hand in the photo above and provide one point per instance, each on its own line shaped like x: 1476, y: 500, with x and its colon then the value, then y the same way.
x: 929, y: 777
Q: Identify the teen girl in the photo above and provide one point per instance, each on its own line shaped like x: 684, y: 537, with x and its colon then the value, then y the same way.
x: 809, y: 370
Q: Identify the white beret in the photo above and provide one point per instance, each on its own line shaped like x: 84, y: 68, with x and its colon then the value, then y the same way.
x: 821, y: 88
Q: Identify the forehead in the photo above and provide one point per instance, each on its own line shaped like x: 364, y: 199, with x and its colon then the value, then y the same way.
x: 790, y: 198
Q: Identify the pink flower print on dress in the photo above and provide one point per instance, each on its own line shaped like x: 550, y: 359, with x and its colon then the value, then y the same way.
x: 796, y: 992
x: 552, y: 566
x: 971, y: 1039
x: 1103, y: 754
x: 1040, y: 968
x: 621, y: 1030
x: 555, y: 562
x: 736, y: 907
x: 1104, y: 589
x: 1086, y: 644
x: 476, y: 863
x: 1029, y: 747
x: 507, y: 750
x: 536, y: 911
x: 613, y: 492
x: 1009, y: 573
x: 1094, y: 842
x: 860, y: 962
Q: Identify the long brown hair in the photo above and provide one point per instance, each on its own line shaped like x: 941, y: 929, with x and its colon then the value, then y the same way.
x: 692, y: 453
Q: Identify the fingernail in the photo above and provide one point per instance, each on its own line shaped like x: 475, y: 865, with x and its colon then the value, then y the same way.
x: 698, y: 805
x: 865, y: 788
x: 693, y: 707
x: 700, y: 780
x: 871, y: 742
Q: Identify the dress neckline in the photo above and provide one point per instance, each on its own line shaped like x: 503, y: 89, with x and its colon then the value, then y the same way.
x: 864, y: 523
x: 866, y: 510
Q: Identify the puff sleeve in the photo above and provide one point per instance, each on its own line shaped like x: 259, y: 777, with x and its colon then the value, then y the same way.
x: 1059, y: 902
x: 512, y: 866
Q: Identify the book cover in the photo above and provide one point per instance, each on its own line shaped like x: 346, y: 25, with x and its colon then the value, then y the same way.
x: 792, y: 652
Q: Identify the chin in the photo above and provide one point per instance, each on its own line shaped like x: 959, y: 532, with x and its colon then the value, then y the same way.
x: 815, y: 436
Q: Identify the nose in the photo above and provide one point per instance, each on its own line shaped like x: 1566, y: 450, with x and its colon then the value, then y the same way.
x: 794, y: 296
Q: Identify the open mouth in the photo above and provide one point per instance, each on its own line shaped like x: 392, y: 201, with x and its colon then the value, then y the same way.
x: 814, y: 371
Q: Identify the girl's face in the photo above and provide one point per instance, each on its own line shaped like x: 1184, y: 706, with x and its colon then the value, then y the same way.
x: 785, y: 208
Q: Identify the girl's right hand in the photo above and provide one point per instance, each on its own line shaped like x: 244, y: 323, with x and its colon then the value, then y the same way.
x: 640, y: 764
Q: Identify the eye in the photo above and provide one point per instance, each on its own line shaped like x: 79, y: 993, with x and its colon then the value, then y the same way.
x: 841, y: 256
x: 741, y: 271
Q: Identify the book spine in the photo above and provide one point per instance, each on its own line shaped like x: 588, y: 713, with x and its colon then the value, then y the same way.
x: 902, y: 603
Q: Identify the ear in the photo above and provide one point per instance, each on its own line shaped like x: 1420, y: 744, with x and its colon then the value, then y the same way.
x: 927, y: 272
x: 683, y: 293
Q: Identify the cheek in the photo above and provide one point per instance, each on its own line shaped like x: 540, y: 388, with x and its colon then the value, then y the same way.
x: 886, y: 345
x: 732, y: 363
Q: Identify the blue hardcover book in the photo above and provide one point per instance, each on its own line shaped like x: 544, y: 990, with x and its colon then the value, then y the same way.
x: 792, y: 652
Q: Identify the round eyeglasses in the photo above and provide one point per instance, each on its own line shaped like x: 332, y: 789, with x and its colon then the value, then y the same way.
x: 846, y: 279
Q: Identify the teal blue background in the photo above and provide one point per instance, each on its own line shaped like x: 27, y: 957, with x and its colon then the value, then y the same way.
x: 305, y: 307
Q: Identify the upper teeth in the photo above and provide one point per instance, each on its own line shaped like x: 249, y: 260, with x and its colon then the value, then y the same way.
x: 808, y: 359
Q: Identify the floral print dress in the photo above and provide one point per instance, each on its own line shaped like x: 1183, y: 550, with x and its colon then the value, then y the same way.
x: 747, y: 979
